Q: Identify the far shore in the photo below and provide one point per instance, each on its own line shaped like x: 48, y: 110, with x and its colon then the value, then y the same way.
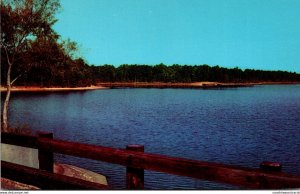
x: 108, y: 85
x: 50, y: 89
x: 185, y: 85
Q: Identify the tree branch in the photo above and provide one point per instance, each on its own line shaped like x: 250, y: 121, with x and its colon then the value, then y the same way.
x: 13, y: 81
x: 20, y: 42
x: 7, y: 56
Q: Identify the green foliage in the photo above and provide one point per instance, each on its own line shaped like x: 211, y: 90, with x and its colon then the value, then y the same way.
x: 186, y: 73
x: 32, y: 52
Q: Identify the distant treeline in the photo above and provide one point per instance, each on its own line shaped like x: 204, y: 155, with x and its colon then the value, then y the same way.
x: 78, y: 73
x: 186, y: 73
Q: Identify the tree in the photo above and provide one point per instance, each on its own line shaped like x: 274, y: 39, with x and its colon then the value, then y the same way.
x: 22, y: 22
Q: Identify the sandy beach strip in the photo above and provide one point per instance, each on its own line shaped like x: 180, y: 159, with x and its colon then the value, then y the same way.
x: 50, y: 89
x: 171, y: 85
x: 108, y: 85
x: 186, y: 85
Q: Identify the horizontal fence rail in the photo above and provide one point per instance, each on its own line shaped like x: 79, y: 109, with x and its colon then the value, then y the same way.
x: 245, y: 177
x: 28, y: 141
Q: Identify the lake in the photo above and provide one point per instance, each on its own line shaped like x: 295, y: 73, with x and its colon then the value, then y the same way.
x: 237, y: 126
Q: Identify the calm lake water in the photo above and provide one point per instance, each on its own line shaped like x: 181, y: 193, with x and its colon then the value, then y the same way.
x: 240, y: 126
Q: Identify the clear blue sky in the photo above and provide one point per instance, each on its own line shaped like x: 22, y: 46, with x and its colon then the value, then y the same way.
x: 258, y: 34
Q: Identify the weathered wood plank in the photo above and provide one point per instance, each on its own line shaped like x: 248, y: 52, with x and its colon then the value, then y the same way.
x: 44, y: 179
x: 249, y: 178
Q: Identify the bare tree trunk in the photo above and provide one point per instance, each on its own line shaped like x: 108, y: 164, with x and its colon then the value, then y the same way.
x: 6, y: 102
x: 5, y: 111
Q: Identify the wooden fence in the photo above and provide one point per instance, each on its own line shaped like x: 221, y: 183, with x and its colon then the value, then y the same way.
x: 268, y: 176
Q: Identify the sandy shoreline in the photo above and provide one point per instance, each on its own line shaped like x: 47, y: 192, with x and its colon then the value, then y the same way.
x: 108, y: 85
x: 50, y: 89
x: 185, y: 85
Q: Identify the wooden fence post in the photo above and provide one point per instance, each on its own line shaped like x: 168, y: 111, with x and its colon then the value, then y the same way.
x: 135, y: 176
x: 46, y: 160
x: 271, y: 166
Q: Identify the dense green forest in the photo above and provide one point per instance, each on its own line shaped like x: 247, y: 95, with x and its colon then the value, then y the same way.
x: 185, y: 73
x: 78, y: 73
